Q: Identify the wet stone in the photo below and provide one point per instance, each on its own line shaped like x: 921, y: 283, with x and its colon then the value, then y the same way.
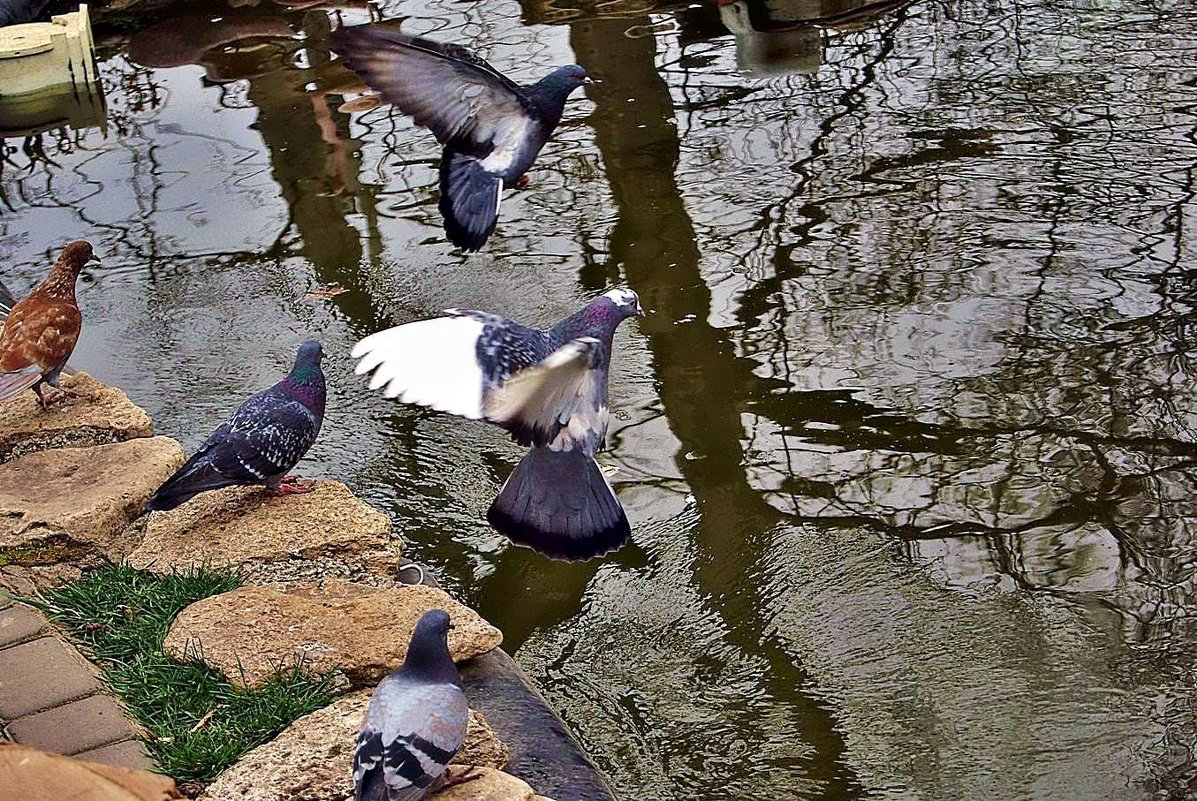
x: 102, y: 415
x: 326, y: 533
x: 311, y: 759
x: 362, y: 631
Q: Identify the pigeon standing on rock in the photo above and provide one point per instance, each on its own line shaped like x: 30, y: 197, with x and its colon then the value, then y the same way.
x: 548, y: 388
x: 41, y: 331
x: 491, y: 127
x: 261, y: 442
x: 415, y: 723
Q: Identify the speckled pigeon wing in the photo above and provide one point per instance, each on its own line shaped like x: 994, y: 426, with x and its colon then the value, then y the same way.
x: 265, y: 438
x: 463, y: 100
x: 561, y: 402
x: 410, y: 734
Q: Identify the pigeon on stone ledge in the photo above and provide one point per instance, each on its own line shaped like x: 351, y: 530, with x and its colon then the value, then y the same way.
x: 261, y: 442
x: 415, y: 723
x: 41, y: 331
x: 491, y: 127
x: 548, y: 388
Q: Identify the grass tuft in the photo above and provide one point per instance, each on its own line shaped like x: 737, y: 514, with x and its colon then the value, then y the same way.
x: 198, y: 722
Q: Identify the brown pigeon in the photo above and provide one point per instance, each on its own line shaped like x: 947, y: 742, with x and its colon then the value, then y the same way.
x: 40, y: 332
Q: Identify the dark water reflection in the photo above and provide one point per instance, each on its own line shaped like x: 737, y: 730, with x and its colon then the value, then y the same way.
x: 907, y: 440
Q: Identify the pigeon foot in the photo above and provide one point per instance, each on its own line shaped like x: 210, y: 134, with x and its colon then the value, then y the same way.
x: 468, y: 775
x: 523, y: 181
x: 60, y: 395
x: 291, y: 485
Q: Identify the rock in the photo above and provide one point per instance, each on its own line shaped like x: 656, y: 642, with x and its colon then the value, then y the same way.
x: 31, y: 775
x: 485, y: 784
x: 363, y: 631
x: 103, y: 415
x: 327, y: 533
x: 73, y: 505
x: 312, y: 758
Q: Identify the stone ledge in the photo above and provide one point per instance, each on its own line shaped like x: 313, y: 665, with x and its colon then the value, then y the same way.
x: 72, y: 505
x: 103, y: 415
x: 327, y: 533
x: 27, y: 773
x: 311, y: 759
x: 248, y: 633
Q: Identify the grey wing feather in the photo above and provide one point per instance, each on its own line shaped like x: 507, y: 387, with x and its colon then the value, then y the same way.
x: 445, y: 88
x: 560, y: 402
x: 410, y: 734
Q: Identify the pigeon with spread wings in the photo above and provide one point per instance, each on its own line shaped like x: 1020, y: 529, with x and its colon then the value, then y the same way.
x: 548, y: 388
x: 492, y: 128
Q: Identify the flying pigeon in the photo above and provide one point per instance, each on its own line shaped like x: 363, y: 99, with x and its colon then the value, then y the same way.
x: 415, y: 723
x: 548, y: 388
x: 41, y: 331
x: 491, y: 127
x: 261, y: 442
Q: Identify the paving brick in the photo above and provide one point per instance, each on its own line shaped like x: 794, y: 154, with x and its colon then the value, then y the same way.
x: 5, y: 600
x: 41, y: 674
x: 19, y: 623
x: 78, y: 726
x: 127, y: 754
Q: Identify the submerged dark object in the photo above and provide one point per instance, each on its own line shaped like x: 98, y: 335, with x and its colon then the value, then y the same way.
x: 17, y: 12
x: 261, y: 442
x: 491, y: 127
x: 547, y: 388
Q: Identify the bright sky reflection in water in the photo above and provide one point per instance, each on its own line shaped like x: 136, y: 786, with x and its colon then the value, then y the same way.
x: 906, y: 441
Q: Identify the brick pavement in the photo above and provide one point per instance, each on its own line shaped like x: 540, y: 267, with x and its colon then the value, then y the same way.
x: 51, y: 698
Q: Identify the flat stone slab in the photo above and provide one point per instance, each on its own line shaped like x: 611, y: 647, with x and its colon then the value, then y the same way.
x: 326, y: 533
x: 74, y: 504
x: 81, y: 725
x: 248, y: 633
x: 126, y: 754
x: 32, y: 775
x: 311, y: 759
x: 19, y: 623
x: 41, y: 674
x: 102, y: 415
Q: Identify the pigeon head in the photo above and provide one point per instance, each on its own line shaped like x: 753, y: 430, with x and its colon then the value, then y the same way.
x: 555, y: 88
x: 74, y: 257
x: 428, y: 652
x: 601, y: 316
x: 306, y: 380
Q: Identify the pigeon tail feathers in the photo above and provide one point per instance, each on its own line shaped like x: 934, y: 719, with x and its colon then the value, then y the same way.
x: 197, y: 476
x: 14, y: 383
x: 470, y: 198
x: 560, y: 504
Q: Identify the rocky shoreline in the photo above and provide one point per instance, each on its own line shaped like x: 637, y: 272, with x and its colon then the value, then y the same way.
x: 322, y: 590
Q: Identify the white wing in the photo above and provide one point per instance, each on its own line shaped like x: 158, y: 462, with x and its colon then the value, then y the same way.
x: 432, y: 363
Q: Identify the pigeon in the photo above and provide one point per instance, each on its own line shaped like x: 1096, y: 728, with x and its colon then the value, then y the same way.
x: 415, y: 723
x: 41, y: 331
x: 547, y: 388
x: 491, y: 127
x: 16, y: 12
x: 261, y: 442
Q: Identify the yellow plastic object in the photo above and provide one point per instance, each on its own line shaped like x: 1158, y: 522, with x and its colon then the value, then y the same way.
x: 40, y: 55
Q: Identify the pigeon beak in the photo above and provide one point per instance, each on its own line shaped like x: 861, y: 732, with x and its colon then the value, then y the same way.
x: 95, y: 260
x: 588, y: 81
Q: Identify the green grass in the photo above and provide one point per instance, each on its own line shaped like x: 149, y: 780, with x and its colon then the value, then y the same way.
x: 198, y: 722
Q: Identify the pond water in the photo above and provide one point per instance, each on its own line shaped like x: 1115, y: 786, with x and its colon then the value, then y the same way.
x: 907, y: 439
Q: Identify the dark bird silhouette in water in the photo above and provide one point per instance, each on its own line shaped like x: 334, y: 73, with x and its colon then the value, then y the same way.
x: 41, y: 331
x: 548, y: 388
x: 492, y: 128
x: 415, y: 723
x: 261, y: 442
x: 17, y: 12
